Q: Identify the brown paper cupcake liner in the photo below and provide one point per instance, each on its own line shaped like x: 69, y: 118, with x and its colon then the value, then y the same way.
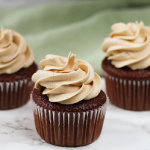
x: 15, y: 94
x: 70, y: 129
x: 128, y: 94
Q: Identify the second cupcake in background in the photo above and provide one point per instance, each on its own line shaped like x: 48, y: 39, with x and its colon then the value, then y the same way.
x: 69, y: 105
x: 127, y: 66
x: 16, y: 68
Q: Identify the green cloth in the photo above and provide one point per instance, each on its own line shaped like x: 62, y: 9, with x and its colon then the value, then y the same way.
x: 79, y: 27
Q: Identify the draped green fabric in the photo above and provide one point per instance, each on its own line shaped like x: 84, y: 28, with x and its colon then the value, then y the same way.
x: 79, y: 27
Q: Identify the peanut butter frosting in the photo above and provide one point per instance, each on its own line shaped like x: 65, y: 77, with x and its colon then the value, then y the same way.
x: 128, y: 45
x: 14, y: 52
x: 67, y: 80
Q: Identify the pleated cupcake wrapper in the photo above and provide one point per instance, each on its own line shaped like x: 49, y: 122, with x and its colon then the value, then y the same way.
x: 128, y: 94
x: 69, y: 128
x: 15, y: 94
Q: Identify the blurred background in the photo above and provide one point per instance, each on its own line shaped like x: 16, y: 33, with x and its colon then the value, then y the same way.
x: 61, y: 26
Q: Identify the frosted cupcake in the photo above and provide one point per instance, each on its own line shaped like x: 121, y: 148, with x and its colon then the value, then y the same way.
x: 16, y: 68
x: 127, y: 66
x: 69, y: 105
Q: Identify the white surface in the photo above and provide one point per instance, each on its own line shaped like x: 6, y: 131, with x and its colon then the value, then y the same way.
x: 122, y: 130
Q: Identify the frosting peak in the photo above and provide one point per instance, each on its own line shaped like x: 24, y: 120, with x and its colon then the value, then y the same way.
x: 128, y: 45
x: 67, y: 80
x: 14, y: 52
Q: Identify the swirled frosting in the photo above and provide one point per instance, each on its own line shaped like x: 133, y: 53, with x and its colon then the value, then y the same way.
x: 14, y: 52
x: 67, y: 80
x: 128, y: 45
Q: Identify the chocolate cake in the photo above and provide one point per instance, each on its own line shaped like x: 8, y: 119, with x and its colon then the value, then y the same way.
x: 94, y: 103
x: 69, y: 125
x: 69, y: 105
x: 125, y: 72
x: 126, y: 88
x: 23, y: 73
x: 15, y: 88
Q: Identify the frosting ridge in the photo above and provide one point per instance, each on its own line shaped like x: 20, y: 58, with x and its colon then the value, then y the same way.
x: 128, y: 45
x: 14, y: 52
x: 67, y: 80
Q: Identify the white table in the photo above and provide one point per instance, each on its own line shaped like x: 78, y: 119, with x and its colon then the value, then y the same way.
x: 122, y: 130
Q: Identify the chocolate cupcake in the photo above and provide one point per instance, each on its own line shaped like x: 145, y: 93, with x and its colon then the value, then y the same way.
x: 127, y: 66
x: 68, y: 103
x: 16, y: 68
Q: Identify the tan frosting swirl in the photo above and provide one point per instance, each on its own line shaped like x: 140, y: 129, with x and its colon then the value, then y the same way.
x: 14, y: 52
x: 67, y: 80
x: 128, y: 45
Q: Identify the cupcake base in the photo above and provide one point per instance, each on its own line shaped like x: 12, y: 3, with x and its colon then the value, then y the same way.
x: 69, y: 125
x: 15, y: 94
x: 126, y: 88
x: 15, y: 88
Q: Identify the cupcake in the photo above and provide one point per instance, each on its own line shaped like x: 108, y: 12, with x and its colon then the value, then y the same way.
x: 127, y: 66
x: 68, y: 103
x: 16, y: 68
